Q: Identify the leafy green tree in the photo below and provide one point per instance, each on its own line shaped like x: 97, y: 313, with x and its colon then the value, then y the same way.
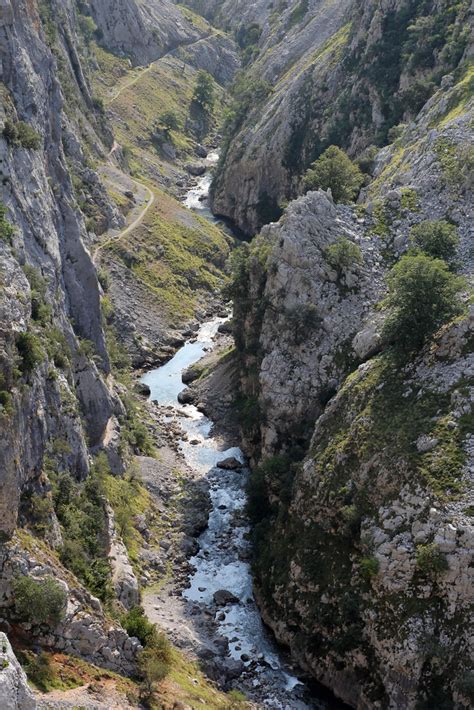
x: 30, y: 350
x: 438, y: 239
x: 423, y: 295
x: 39, y: 602
x: 204, y: 91
x: 335, y: 170
x: 343, y: 254
x: 168, y: 121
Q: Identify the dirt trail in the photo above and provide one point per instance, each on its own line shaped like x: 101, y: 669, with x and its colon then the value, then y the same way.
x: 133, y: 225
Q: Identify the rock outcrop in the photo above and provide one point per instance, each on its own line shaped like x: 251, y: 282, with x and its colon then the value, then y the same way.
x: 362, y: 480
x: 84, y: 630
x: 14, y: 690
x: 124, y: 580
x: 317, y: 77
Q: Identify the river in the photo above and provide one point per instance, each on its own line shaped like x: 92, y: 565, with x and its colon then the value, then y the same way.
x: 222, y: 562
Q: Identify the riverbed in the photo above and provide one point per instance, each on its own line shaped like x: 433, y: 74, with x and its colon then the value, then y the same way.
x: 222, y: 564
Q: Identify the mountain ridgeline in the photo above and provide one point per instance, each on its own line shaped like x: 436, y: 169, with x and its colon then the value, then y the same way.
x: 346, y: 160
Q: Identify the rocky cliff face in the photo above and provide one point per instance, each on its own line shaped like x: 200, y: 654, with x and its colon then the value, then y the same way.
x: 57, y: 397
x: 323, y: 73
x: 14, y: 690
x: 362, y: 496
x: 145, y: 31
x: 51, y: 303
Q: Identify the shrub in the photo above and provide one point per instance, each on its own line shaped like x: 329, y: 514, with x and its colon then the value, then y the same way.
x: 30, y: 350
x: 39, y: 602
x: 6, y: 229
x: 169, y: 121
x: 430, y: 559
x: 136, y: 624
x: 104, y: 279
x: 154, y: 664
x: 204, y: 91
x: 438, y: 239
x: 343, y: 255
x: 28, y: 137
x: 21, y: 134
x: 6, y: 402
x: 369, y: 567
x: 334, y: 170
x: 423, y: 295
x: 80, y: 511
x: 39, y: 670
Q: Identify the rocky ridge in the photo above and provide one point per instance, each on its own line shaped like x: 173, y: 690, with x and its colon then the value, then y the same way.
x: 363, y: 540
x: 316, y: 79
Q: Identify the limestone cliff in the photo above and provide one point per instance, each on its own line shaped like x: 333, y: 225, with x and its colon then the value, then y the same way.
x: 362, y: 494
x: 57, y: 397
x: 321, y: 73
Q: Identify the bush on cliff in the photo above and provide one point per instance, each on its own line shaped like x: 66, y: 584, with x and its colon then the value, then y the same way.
x: 423, y: 295
x: 343, y: 255
x: 39, y: 602
x: 335, y: 170
x: 438, y: 239
x: 204, y: 91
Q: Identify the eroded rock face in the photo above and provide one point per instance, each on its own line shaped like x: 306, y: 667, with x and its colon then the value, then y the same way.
x: 142, y: 30
x: 308, y: 313
x: 84, y: 630
x: 319, y: 61
x: 15, y: 693
x: 373, y: 583
x: 47, y: 256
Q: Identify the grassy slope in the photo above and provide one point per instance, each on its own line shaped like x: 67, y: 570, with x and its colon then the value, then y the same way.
x: 178, y: 256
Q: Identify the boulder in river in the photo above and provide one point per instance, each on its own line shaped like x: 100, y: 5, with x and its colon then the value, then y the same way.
x: 191, y: 374
x: 226, y: 328
x: 142, y: 389
x: 229, y: 464
x: 187, y: 396
x: 223, y: 597
x: 196, y: 169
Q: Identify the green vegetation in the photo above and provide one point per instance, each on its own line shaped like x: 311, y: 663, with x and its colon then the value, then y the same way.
x: 39, y: 602
x: 7, y: 230
x: 247, y: 37
x: 457, y: 164
x: 128, y: 498
x: 438, y: 239
x: 247, y: 93
x: 30, y: 350
x: 298, y: 13
x: 136, y: 624
x: 21, y: 134
x: 423, y: 295
x: 40, y: 311
x: 344, y: 255
x: 204, y: 93
x: 335, y: 171
x: 40, y: 670
x: 155, y: 664
x: 430, y: 559
x: 80, y: 511
x: 168, y: 121
x: 369, y: 567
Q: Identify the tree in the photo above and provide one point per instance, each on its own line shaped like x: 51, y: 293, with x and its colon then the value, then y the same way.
x: 343, y: 255
x: 39, y: 602
x: 204, y: 91
x: 168, y: 121
x: 438, y: 239
x: 423, y: 295
x: 335, y: 170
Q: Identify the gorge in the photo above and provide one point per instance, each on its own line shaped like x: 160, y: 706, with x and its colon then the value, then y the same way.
x: 236, y: 442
